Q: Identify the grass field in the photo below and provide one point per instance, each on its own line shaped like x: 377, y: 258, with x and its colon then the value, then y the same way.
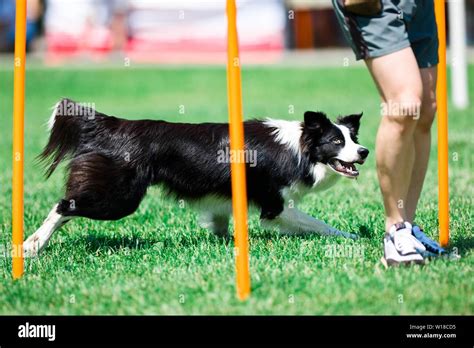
x: 158, y: 261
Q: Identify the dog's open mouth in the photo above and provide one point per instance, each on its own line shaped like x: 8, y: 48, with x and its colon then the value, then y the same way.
x: 344, y: 168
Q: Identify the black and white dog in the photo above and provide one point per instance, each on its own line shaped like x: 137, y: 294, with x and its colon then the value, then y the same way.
x: 113, y: 161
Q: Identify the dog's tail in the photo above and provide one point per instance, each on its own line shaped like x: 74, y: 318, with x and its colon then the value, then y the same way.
x: 66, y: 125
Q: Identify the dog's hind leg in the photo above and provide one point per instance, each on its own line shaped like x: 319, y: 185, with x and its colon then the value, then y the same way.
x: 214, y: 215
x: 102, y: 188
x: 291, y: 221
x: 217, y: 223
x: 39, y: 240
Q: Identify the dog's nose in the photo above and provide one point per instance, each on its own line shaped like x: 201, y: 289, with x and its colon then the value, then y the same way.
x: 363, y: 152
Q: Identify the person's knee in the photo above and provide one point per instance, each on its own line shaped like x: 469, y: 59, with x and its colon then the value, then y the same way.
x: 427, y: 116
x: 400, y: 126
x: 404, y: 103
x: 402, y: 112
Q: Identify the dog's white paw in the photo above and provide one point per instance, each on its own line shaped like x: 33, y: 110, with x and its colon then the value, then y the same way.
x: 31, y: 247
x: 349, y: 235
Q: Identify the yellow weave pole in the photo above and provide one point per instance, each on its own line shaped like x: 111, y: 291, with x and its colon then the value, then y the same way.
x: 441, y: 96
x: 236, y: 134
x: 18, y: 138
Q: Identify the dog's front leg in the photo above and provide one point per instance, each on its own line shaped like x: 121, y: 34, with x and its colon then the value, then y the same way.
x: 291, y: 221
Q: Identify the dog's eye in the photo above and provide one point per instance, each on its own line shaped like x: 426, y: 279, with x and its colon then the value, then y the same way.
x: 337, y: 141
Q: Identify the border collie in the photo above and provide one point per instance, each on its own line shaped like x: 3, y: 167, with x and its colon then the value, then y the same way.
x: 113, y: 161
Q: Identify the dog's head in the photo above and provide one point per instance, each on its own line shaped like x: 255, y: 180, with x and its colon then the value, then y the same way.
x: 334, y: 144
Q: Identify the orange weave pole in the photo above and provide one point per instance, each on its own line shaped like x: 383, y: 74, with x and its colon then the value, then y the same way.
x: 236, y: 134
x: 441, y: 96
x: 18, y: 138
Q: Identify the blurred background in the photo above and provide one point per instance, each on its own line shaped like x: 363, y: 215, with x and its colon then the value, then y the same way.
x: 177, y: 31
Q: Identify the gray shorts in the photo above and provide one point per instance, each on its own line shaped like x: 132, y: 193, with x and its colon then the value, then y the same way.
x: 400, y: 24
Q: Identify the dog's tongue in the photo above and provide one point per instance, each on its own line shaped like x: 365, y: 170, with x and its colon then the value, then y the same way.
x: 347, y: 168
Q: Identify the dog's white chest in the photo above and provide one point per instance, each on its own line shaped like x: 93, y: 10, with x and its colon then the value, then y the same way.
x: 324, y: 177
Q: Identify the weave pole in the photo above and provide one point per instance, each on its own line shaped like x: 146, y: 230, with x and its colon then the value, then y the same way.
x: 18, y: 138
x: 441, y: 97
x: 236, y: 134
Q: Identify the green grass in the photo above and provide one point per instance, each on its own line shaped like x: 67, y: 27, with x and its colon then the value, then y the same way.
x: 158, y: 261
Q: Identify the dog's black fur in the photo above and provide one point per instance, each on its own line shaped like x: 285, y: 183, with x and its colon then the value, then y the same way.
x: 113, y: 161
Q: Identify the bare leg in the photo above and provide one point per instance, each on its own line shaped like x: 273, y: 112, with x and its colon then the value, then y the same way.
x: 399, y: 82
x: 39, y: 240
x: 422, y: 140
x: 291, y: 221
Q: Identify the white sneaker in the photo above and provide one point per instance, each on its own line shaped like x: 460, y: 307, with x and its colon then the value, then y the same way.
x: 403, y: 239
x: 401, y: 247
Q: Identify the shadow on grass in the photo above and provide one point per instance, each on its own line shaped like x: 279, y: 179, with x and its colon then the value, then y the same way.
x: 136, y: 242
x: 365, y: 232
x: 117, y: 243
x: 463, y: 244
x: 95, y: 243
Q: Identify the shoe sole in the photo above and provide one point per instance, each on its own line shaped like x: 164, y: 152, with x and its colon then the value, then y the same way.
x: 393, y: 263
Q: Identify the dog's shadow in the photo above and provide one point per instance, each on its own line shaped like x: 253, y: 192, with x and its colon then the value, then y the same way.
x: 117, y: 243
x: 267, y: 234
x: 94, y: 244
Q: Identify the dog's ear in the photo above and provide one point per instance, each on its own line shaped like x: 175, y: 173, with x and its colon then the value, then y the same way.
x: 351, y: 121
x: 316, y: 121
